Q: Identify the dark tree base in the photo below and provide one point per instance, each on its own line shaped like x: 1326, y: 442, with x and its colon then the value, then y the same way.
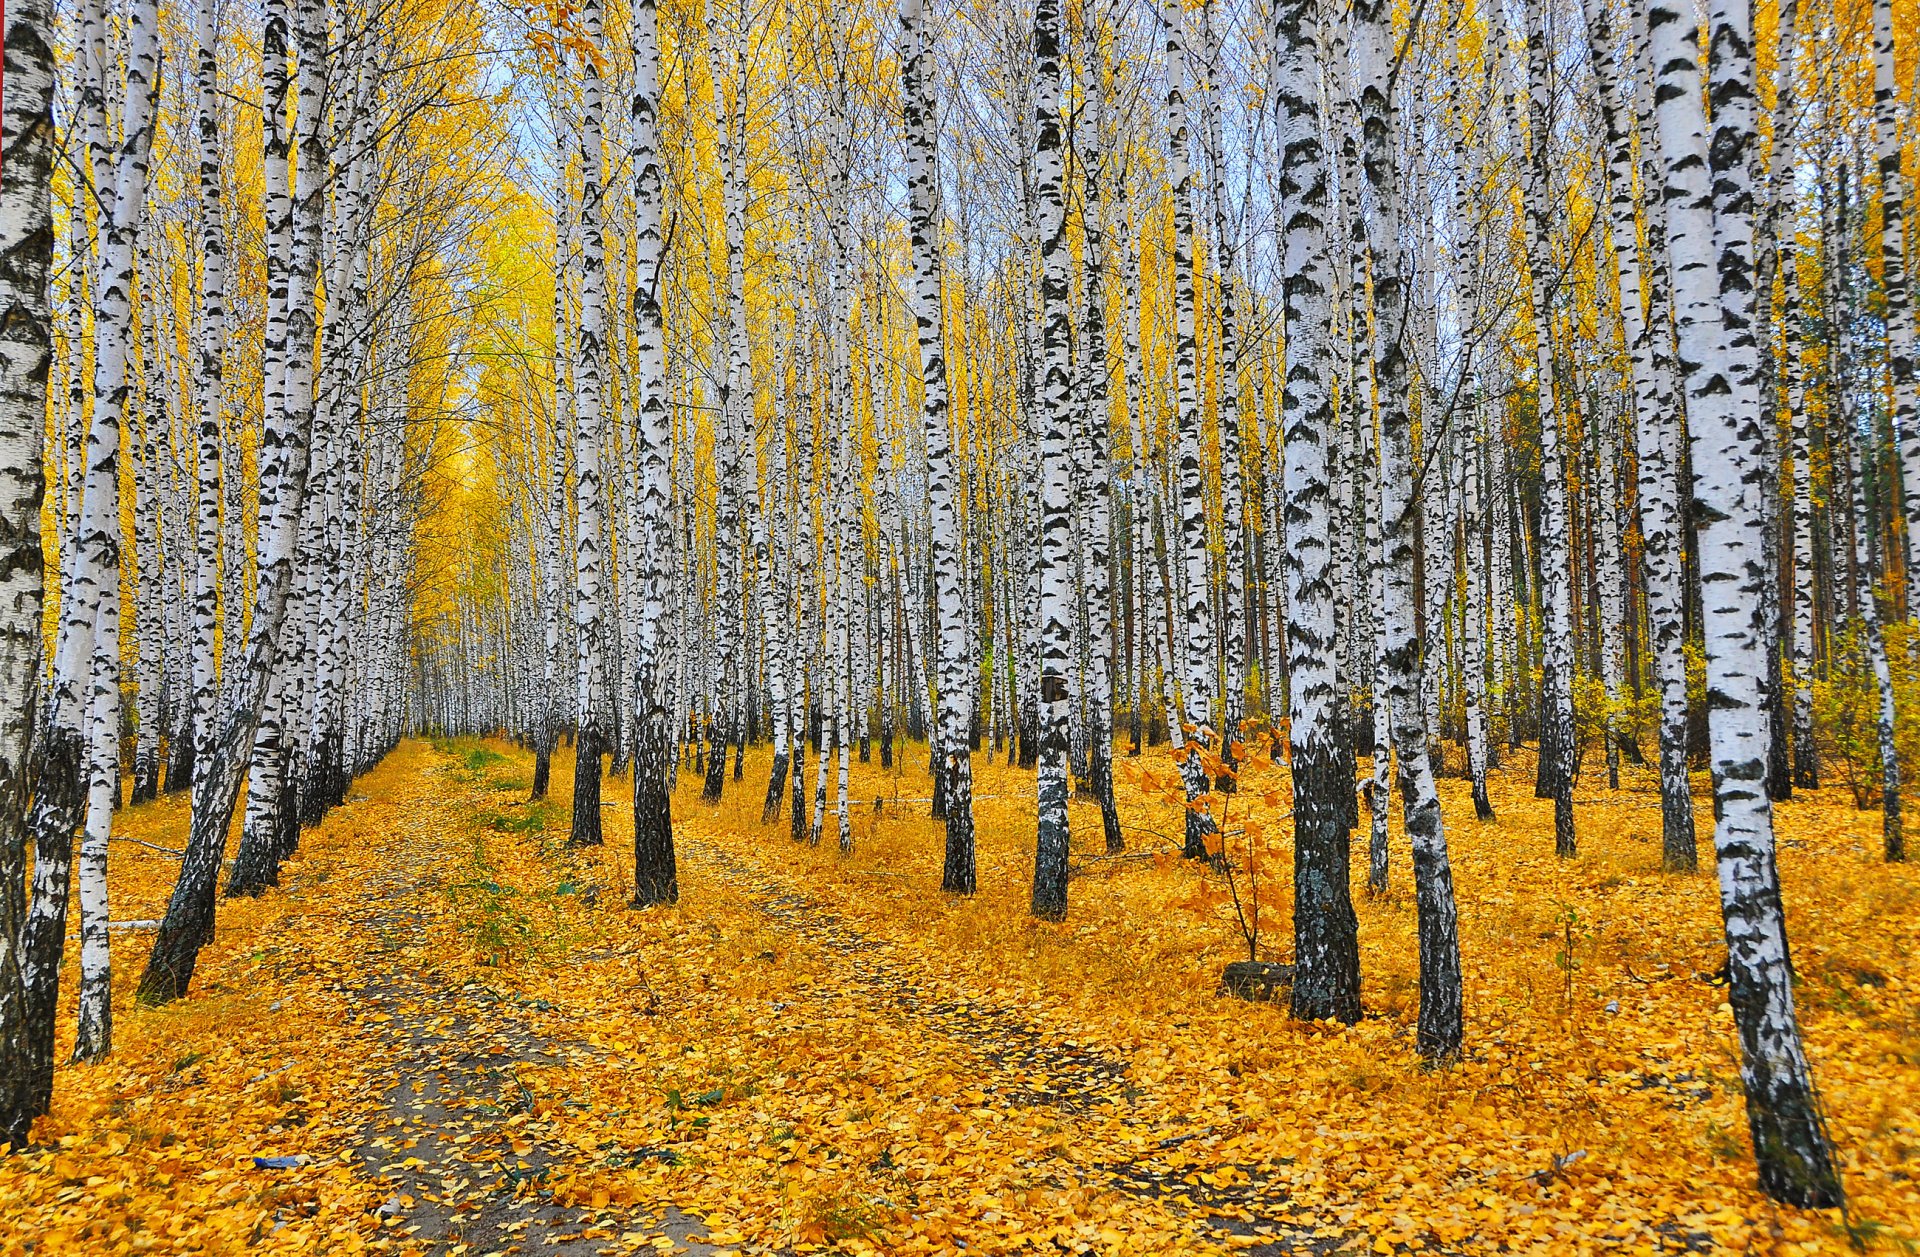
x: 776, y: 790
x: 716, y: 779
x: 585, y: 831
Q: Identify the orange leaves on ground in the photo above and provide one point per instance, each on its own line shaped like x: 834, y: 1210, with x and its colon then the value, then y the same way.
x: 824, y: 1053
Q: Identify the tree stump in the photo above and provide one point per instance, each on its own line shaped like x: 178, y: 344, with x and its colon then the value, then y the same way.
x: 1260, y: 981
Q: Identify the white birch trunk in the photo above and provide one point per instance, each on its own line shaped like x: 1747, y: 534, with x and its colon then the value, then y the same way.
x: 1439, y: 1029
x: 1196, y: 618
x: 1325, y: 931
x: 1723, y: 416
x: 590, y: 500
x: 26, y: 351
x: 1055, y: 416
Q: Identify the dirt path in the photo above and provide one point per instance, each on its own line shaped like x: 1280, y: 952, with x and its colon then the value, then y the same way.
x: 460, y: 1142
x: 469, y: 1158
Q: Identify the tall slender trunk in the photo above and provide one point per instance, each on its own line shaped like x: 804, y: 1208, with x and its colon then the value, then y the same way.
x: 284, y: 440
x: 1473, y: 634
x: 1708, y: 235
x: 1440, y: 1030
x: 26, y: 351
x: 85, y: 702
x: 655, y: 870
x: 1806, y: 754
x: 1559, y: 752
x: 151, y: 547
x: 1890, y: 142
x: 1055, y: 416
x: 1231, y: 414
x: 1325, y: 931
x: 1196, y: 617
x: 953, y: 713
x: 735, y: 411
x: 1655, y: 434
x: 772, y: 557
x: 1097, y: 552
x: 590, y: 499
x: 1872, y: 644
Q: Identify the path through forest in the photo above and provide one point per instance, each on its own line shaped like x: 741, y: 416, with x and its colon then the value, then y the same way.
x: 461, y: 1140
x: 452, y: 1140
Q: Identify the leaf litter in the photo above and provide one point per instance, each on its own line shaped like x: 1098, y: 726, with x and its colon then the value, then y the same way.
x: 446, y: 1034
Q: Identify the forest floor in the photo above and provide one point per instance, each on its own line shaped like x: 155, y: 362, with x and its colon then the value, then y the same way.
x: 466, y: 1042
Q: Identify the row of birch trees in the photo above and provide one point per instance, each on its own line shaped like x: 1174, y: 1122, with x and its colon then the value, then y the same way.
x: 1047, y: 380
x: 1433, y: 388
x: 231, y: 254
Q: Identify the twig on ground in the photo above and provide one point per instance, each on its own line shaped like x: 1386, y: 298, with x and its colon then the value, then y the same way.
x: 141, y: 842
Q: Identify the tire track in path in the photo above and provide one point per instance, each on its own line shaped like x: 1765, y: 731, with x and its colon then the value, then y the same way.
x: 1023, y: 1066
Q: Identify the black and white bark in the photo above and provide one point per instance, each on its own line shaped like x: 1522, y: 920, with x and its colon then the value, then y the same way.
x: 1096, y: 509
x: 655, y: 871
x: 1707, y: 194
x: 284, y: 440
x: 953, y: 713
x: 1890, y: 138
x: 1656, y: 436
x: 26, y: 350
x: 1195, y: 602
x: 1440, y: 1028
x: 1559, y: 751
x: 1325, y: 930
x: 1055, y: 418
x: 589, y: 438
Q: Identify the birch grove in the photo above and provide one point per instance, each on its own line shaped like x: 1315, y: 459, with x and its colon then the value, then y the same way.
x: 1138, y: 396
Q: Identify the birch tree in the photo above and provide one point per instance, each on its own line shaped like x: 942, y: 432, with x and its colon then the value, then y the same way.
x: 26, y: 345
x: 1440, y: 1029
x: 1708, y: 235
x: 590, y: 504
x: 655, y: 872
x: 1056, y: 420
x: 952, y: 710
x: 1325, y: 932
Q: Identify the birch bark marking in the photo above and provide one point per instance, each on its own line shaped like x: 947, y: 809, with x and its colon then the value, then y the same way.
x: 1056, y: 421
x: 210, y: 348
x: 1558, y: 751
x: 86, y: 696
x: 1790, y: 1144
x: 152, y: 550
x: 1439, y: 1031
x: 655, y: 871
x: 590, y: 509
x: 1231, y: 414
x: 1860, y: 381
x: 1097, y: 527
x: 1806, y: 756
x: 1325, y: 931
x: 735, y: 412
x: 1197, y: 681
x: 773, y: 558
x: 26, y: 351
x: 950, y: 627
x: 1894, y: 285
x: 1473, y: 633
x: 1654, y: 433
x: 554, y: 558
